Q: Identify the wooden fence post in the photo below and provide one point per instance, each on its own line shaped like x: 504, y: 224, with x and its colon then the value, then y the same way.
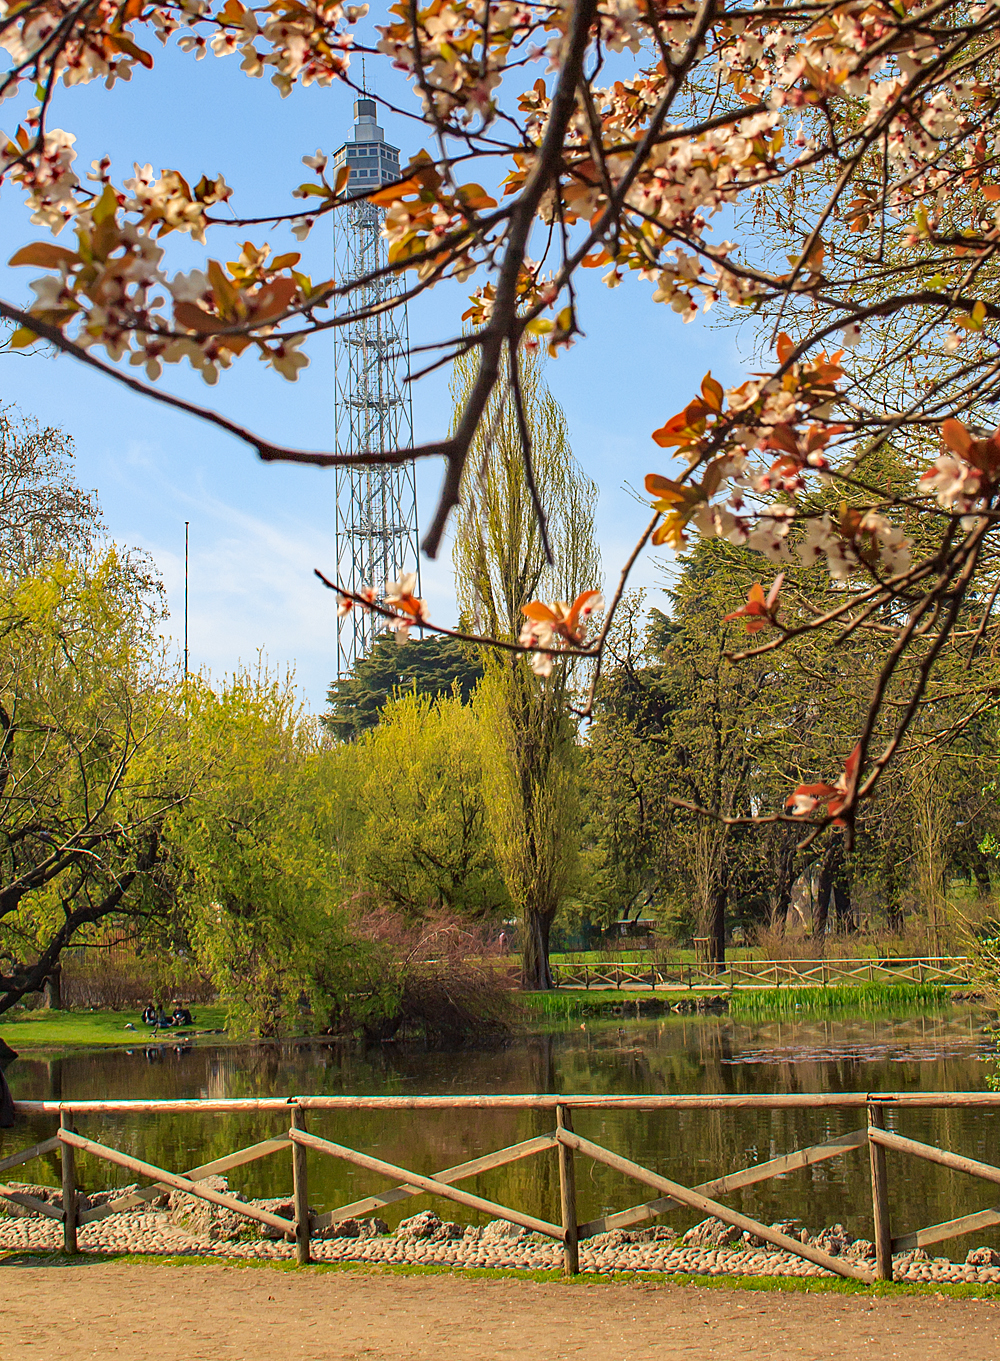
x: 300, y: 1191
x: 567, y: 1196
x: 880, y: 1199
x: 68, y: 1156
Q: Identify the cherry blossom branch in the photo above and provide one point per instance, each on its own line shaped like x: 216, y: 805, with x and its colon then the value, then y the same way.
x: 267, y: 451
x: 391, y: 616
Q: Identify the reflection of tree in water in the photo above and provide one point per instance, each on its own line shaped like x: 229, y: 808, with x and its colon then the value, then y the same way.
x: 674, y: 1054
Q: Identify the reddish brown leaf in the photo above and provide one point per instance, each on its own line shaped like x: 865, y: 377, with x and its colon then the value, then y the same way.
x: 195, y: 318
x: 712, y: 392
x: 274, y: 298
x: 45, y: 254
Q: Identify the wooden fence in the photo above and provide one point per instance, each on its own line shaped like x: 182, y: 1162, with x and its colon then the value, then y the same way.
x: 562, y: 1141
x: 765, y: 973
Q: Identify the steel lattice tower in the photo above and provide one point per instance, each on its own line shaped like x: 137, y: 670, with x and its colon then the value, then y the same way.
x: 376, y: 525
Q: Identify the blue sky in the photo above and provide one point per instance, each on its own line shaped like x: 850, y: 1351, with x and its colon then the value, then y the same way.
x: 258, y: 531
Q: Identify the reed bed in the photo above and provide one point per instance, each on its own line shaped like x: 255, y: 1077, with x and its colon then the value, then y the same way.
x: 744, y: 1004
x: 865, y: 999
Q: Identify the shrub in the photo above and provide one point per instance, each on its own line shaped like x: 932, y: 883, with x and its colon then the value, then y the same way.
x: 104, y: 984
x: 444, y: 979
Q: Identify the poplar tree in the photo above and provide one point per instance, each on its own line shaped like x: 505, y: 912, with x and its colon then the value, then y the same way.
x: 530, y: 757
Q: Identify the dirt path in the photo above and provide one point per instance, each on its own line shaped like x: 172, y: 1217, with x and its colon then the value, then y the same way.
x: 161, y: 1313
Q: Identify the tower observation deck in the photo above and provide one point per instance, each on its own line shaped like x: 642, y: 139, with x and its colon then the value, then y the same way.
x: 376, y: 517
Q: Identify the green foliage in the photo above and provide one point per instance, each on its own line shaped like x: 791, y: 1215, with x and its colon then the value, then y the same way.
x: 327, y: 884
x: 500, y: 560
x: 569, y: 1004
x: 747, y: 1004
x: 421, y: 841
x: 866, y: 999
x: 672, y: 724
x: 87, y: 775
x: 678, y: 722
x: 531, y: 793
x: 430, y: 666
x: 529, y: 757
x: 260, y: 881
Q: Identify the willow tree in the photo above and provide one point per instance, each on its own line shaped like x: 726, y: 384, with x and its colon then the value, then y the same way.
x: 419, y: 789
x: 256, y: 865
x: 88, y: 770
x: 530, y: 754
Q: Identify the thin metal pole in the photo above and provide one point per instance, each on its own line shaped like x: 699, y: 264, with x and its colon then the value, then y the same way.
x: 187, y: 525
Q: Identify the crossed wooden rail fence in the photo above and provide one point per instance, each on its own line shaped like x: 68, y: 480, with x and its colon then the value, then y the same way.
x: 766, y: 973
x: 562, y: 1140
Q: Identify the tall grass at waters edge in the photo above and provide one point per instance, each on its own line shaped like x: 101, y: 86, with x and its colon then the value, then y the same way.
x: 866, y: 999
x: 745, y: 1004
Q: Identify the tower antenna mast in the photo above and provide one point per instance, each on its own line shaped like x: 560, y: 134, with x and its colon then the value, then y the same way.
x: 376, y: 517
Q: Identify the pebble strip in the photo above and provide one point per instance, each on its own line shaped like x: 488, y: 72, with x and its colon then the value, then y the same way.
x: 153, y: 1233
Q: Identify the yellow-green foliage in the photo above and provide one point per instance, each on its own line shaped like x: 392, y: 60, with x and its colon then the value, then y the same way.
x: 422, y: 840
x: 262, y: 887
x: 529, y: 765
x: 531, y: 788
x: 86, y: 743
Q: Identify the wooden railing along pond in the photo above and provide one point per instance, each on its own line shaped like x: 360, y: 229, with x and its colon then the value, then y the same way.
x: 562, y: 1141
x: 766, y: 973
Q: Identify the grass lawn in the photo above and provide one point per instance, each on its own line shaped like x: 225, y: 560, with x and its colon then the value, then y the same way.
x: 57, y: 1029
x: 735, y: 954
x: 635, y: 954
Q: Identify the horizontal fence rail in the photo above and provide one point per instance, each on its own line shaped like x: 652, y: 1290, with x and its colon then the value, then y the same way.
x: 765, y: 973
x: 533, y: 1101
x: 565, y: 1143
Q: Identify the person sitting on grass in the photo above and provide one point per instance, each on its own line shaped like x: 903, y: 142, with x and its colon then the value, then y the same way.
x: 149, y: 1015
x: 181, y: 1015
x: 163, y: 1020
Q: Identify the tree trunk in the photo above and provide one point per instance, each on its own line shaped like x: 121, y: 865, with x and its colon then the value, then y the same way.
x: 784, y: 879
x: 828, y: 867
x: 536, y: 976
x: 717, y: 926
x: 821, y: 908
x: 52, y: 990
x: 843, y: 909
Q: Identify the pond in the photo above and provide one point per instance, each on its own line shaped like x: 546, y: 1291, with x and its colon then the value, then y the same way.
x: 937, y: 1051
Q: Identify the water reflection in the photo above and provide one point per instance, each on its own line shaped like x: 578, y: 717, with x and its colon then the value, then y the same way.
x: 937, y: 1051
